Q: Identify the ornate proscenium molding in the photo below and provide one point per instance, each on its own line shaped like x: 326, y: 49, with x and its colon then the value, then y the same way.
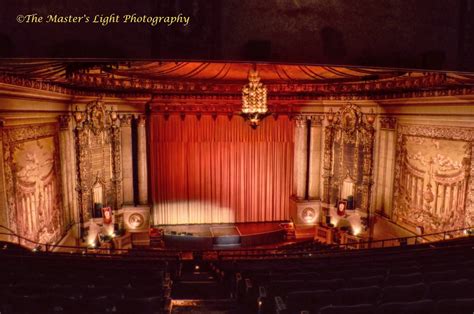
x: 348, y: 150
x: 430, y: 85
x: 123, y: 83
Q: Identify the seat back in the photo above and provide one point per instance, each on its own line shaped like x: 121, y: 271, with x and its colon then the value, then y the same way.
x: 309, y: 300
x: 345, y: 309
x: 461, y: 288
x: 417, y: 307
x: 352, y: 296
x: 455, y: 306
x: 404, y: 293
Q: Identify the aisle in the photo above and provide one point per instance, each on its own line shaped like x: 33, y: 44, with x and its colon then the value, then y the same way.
x: 198, y: 291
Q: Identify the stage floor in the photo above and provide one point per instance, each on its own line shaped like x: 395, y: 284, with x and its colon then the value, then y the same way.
x: 221, y: 236
x: 206, y: 230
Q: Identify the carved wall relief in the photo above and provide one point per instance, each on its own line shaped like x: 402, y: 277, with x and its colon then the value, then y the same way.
x: 98, y: 156
x: 32, y: 175
x: 433, y: 179
x: 348, y: 147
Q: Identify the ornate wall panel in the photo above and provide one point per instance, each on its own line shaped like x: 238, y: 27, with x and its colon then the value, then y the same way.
x: 348, y: 149
x: 98, y: 157
x: 433, y: 177
x: 32, y: 176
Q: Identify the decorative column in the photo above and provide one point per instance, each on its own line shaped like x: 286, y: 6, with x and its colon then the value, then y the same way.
x: 300, y: 158
x: 314, y: 178
x: 127, y: 158
x: 327, y: 162
x: 386, y: 166
x: 142, y: 161
x: 3, y: 197
x: 63, y: 156
x: 68, y: 172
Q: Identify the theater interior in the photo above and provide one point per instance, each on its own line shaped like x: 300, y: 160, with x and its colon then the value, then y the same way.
x: 283, y: 156
x: 235, y: 187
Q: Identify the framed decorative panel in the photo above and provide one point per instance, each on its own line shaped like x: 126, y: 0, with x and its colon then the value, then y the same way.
x: 32, y: 175
x: 434, y: 177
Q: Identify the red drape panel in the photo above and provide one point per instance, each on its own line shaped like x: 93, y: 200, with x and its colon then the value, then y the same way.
x: 216, y: 170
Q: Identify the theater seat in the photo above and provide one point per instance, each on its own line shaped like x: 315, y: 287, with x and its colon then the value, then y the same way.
x: 407, y: 279
x: 461, y: 288
x: 98, y: 304
x: 417, y: 307
x: 358, y: 282
x: 455, y: 306
x: 446, y: 275
x: 308, y: 300
x: 348, y: 309
x: 404, y: 270
x: 404, y: 293
x: 153, y: 305
x: 352, y: 296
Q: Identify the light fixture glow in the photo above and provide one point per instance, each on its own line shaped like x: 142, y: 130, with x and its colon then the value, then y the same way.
x: 356, y: 230
x: 254, y: 99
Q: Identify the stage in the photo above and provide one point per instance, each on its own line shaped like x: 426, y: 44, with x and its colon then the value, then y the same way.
x: 222, y: 236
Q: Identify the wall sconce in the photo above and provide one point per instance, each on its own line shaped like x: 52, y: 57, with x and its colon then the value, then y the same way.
x: 330, y: 116
x: 371, y: 116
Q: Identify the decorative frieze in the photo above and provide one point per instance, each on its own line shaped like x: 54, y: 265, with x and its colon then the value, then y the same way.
x: 407, y: 87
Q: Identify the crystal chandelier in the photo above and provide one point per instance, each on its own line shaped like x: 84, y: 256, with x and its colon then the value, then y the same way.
x: 254, y: 99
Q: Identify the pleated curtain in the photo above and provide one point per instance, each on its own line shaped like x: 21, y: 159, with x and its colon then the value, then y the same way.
x: 219, y: 170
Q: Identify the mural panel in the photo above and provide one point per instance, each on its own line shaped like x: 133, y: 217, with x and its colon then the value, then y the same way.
x: 432, y: 180
x: 33, y: 186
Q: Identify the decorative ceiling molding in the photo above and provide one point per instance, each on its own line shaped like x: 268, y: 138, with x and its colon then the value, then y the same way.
x: 163, y: 86
x: 428, y: 86
x: 442, y: 132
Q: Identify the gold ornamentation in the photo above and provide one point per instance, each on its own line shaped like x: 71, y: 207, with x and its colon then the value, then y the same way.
x: 14, y: 139
x: 452, y: 178
x: 254, y: 100
x: 346, y: 92
x: 348, y: 131
x: 98, y: 151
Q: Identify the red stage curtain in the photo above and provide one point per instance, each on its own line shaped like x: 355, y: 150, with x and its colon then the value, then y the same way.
x: 220, y: 170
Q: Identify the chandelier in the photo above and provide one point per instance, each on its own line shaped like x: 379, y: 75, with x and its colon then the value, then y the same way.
x: 254, y: 100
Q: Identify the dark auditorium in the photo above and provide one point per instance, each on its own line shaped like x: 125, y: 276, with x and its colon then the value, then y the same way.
x: 261, y: 157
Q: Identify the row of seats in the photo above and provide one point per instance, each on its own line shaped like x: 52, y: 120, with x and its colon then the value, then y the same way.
x: 55, y: 283
x: 314, y: 300
x: 449, y: 306
x: 371, y: 278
